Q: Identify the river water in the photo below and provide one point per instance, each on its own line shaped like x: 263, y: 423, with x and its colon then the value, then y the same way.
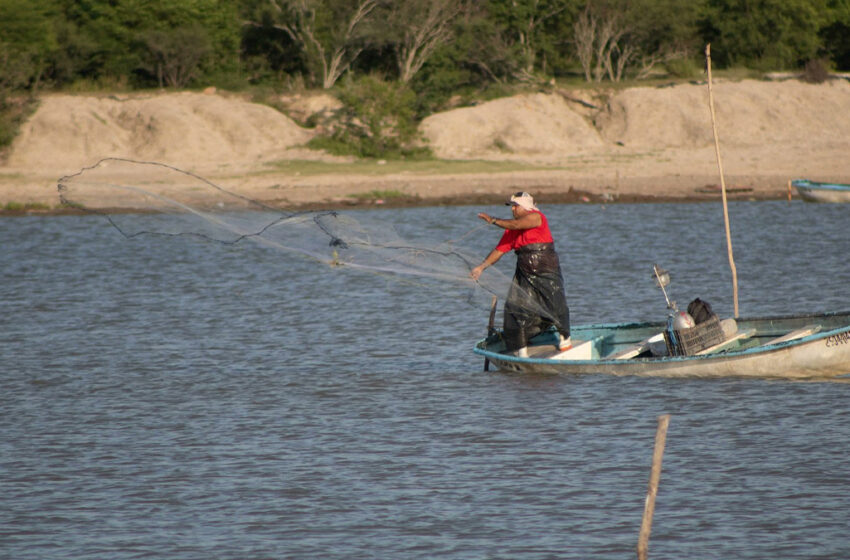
x: 174, y: 398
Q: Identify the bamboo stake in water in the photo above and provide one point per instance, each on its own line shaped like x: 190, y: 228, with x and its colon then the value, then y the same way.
x: 654, y: 476
x: 490, y: 328
x: 722, y: 182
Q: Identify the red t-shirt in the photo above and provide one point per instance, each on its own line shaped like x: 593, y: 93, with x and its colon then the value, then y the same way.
x: 516, y: 238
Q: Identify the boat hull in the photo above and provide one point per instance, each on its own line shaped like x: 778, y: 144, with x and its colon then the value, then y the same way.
x: 811, y: 191
x: 823, y: 354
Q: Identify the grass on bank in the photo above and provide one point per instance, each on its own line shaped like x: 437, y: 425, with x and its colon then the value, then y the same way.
x: 379, y: 167
x: 434, y: 166
x: 14, y: 207
x: 379, y: 195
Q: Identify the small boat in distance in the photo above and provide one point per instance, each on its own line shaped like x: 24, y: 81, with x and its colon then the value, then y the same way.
x: 812, y: 191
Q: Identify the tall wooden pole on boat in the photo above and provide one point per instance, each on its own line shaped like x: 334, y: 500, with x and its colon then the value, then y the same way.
x: 722, y: 181
x: 654, y: 476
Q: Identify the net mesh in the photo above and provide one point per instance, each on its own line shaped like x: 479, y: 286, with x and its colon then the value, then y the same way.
x: 149, y: 198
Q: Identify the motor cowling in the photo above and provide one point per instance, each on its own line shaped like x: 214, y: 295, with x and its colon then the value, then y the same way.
x: 683, y: 320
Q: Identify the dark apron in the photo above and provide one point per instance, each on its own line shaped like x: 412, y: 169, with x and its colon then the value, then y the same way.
x: 536, y: 299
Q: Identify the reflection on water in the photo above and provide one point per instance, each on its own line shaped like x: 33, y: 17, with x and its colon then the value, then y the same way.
x: 177, y: 399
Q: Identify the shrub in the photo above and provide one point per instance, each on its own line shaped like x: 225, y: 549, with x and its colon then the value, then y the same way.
x: 815, y: 72
x: 685, y: 68
x: 13, y: 112
x: 377, y: 121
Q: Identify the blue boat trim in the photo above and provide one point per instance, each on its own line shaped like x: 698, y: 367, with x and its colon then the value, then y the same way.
x: 659, y: 359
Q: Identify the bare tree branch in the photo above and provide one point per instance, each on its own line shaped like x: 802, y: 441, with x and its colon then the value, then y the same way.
x: 663, y: 56
x: 427, y: 25
x: 584, y: 34
x: 598, y: 46
x: 334, y: 54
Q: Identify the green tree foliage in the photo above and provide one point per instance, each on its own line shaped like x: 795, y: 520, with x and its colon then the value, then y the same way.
x: 175, y: 55
x: 765, y: 34
x: 664, y: 30
x: 27, y: 40
x: 268, y: 52
x: 16, y: 73
x: 377, y: 120
x: 501, y: 41
x: 525, y: 26
x: 835, y: 34
x: 78, y: 54
x: 114, y: 35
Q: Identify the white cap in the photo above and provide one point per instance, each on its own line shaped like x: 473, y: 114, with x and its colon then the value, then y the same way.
x: 522, y: 199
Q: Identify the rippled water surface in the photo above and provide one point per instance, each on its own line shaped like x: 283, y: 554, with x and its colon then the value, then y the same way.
x: 173, y: 398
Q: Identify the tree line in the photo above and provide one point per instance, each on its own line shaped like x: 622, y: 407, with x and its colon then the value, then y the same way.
x: 432, y: 49
x: 436, y: 43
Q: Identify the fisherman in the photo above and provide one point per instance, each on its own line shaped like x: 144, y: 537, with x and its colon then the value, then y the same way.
x: 536, y: 299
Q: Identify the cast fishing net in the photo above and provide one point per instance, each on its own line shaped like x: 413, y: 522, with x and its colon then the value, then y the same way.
x: 149, y: 198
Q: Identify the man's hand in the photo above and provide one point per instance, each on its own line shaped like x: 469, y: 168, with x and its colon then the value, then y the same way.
x: 475, y: 273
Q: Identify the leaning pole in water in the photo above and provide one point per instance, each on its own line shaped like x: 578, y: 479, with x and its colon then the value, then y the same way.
x: 652, y: 491
x: 722, y: 182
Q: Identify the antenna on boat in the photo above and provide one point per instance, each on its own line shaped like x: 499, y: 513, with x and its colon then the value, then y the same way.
x: 662, y: 279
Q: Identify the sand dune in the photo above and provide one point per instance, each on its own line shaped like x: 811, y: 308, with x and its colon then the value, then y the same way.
x: 188, y: 129
x: 749, y: 113
x: 643, y: 140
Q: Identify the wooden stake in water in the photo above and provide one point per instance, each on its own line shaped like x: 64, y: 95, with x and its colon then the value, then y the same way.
x: 654, y: 476
x: 491, y: 328
x: 722, y: 181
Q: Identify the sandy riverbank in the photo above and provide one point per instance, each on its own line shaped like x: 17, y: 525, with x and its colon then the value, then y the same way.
x: 636, y: 144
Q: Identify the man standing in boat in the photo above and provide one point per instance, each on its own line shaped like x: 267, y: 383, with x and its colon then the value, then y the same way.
x: 536, y: 298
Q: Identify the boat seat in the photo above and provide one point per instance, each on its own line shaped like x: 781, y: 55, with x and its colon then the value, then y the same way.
x: 728, y: 326
x: 794, y: 335
x: 739, y: 335
x: 581, y: 350
x: 636, y: 349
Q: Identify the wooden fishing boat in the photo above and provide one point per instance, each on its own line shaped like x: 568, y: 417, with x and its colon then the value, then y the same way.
x: 790, y: 346
x: 794, y: 346
x: 812, y: 191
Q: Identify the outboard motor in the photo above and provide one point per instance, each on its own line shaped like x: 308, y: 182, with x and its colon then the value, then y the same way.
x: 690, y: 332
x: 683, y: 320
x: 676, y: 320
